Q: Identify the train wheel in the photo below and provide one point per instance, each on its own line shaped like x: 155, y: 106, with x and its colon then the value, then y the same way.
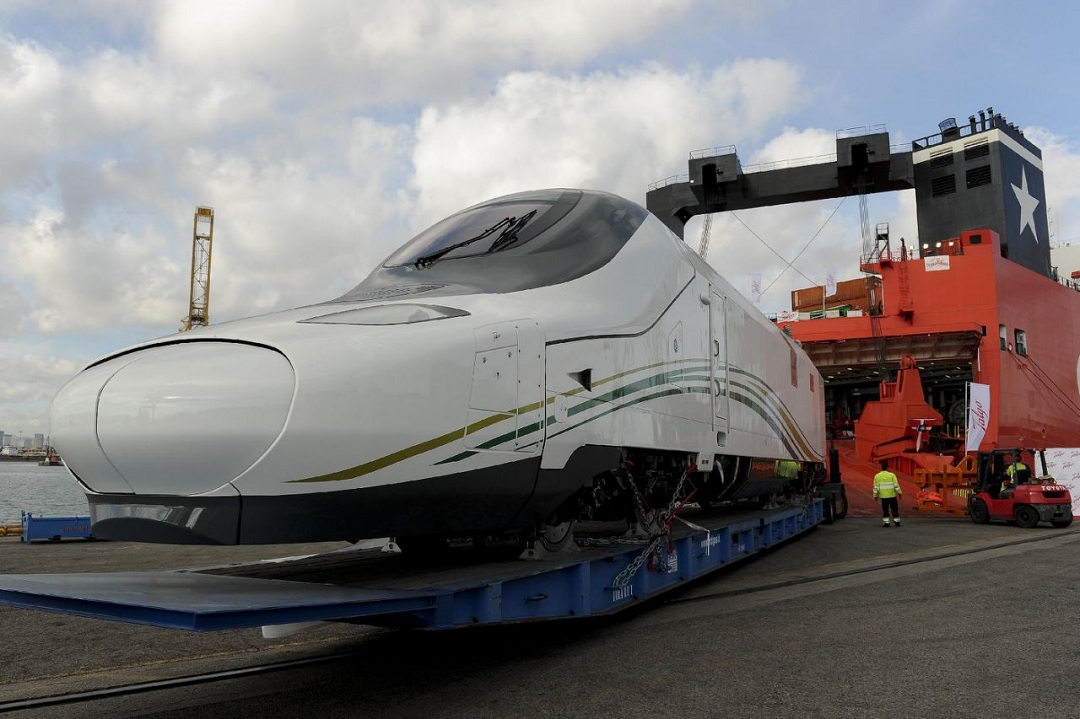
x: 555, y: 537
x: 979, y: 513
x: 1026, y: 516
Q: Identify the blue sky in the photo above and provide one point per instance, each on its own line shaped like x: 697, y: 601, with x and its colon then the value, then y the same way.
x: 324, y: 133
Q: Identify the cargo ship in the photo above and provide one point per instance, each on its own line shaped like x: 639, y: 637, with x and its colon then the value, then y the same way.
x: 974, y: 305
x: 976, y: 299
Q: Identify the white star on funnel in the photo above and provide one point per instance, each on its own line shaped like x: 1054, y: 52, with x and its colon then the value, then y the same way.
x: 1027, y: 205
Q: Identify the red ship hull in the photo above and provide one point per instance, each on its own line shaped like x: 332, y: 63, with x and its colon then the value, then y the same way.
x: 966, y: 314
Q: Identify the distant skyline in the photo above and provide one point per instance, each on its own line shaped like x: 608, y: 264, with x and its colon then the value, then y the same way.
x: 324, y: 134
x: 36, y: 439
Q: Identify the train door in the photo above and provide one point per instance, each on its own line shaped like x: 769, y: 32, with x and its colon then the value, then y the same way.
x: 676, y: 350
x: 506, y: 404
x: 718, y: 367
x: 532, y: 410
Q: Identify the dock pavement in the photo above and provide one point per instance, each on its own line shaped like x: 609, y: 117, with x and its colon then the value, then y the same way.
x: 939, y: 616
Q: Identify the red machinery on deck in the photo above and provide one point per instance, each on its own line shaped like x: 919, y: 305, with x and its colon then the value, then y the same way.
x: 898, y: 426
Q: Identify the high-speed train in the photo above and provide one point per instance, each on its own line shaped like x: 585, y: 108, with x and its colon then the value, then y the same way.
x: 488, y: 377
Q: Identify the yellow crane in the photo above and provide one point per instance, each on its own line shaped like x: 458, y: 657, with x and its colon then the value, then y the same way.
x: 202, y: 245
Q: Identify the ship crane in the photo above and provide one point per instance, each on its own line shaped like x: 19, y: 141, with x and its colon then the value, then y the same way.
x: 202, y: 244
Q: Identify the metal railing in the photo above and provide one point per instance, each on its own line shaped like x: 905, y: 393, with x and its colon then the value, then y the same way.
x: 713, y: 152
x: 672, y: 180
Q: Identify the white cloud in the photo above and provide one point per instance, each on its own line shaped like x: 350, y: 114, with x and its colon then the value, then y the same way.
x: 30, y: 377
x: 1061, y: 174
x: 84, y: 280
x: 310, y: 198
x: 30, y: 86
x: 610, y: 131
x: 117, y: 94
x: 13, y: 306
x: 401, y: 51
x: 765, y: 240
x: 796, y: 146
x: 30, y: 381
x: 299, y: 228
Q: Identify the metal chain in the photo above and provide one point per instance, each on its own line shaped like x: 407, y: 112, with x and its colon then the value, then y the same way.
x: 644, y: 512
x: 662, y: 521
x: 609, y: 541
x: 673, y: 505
x: 623, y: 578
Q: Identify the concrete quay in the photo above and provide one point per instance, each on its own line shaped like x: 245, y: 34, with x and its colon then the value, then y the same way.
x: 940, y: 616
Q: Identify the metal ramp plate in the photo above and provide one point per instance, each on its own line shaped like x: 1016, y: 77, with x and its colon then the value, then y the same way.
x: 201, y: 602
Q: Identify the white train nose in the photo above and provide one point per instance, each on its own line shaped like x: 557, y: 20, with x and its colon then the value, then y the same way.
x: 179, y: 419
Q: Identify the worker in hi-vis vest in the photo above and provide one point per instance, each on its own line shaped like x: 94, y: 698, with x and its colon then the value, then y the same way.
x: 1014, y: 465
x: 887, y: 489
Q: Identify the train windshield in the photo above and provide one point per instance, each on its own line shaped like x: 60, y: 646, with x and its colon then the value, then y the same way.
x: 487, y: 228
x: 531, y: 239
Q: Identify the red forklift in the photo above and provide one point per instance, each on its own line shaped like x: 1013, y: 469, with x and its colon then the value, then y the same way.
x: 1006, y: 489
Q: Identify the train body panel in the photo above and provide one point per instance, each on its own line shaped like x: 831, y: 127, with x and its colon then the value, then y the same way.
x: 474, y: 382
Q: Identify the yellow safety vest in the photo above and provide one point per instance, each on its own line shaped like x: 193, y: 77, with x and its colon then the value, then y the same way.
x: 886, y: 485
x: 1012, y: 468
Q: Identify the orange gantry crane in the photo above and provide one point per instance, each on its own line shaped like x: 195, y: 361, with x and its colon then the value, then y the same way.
x: 202, y: 245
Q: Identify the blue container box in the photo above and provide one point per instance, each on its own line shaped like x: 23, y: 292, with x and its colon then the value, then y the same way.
x: 54, y: 528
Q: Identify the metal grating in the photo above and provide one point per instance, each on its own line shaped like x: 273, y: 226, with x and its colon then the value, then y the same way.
x: 978, y: 176
x: 943, y: 160
x: 944, y: 185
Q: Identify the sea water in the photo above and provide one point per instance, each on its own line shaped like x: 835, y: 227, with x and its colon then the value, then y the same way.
x: 45, y: 491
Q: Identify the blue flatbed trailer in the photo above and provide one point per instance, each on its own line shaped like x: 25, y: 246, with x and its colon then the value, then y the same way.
x: 371, y: 586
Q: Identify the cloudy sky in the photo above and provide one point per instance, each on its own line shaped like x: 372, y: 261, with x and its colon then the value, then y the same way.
x: 324, y: 133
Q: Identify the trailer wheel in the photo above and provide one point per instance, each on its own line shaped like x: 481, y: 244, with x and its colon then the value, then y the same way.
x: 1026, y: 516
x: 1061, y: 523
x: 979, y: 513
x: 828, y: 510
x: 834, y: 505
x: 841, y: 507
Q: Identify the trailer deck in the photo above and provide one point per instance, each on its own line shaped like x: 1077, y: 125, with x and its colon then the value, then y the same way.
x: 606, y: 575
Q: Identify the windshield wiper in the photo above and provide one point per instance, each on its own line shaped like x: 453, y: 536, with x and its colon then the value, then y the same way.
x: 512, y: 226
x: 428, y: 260
x: 510, y: 234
